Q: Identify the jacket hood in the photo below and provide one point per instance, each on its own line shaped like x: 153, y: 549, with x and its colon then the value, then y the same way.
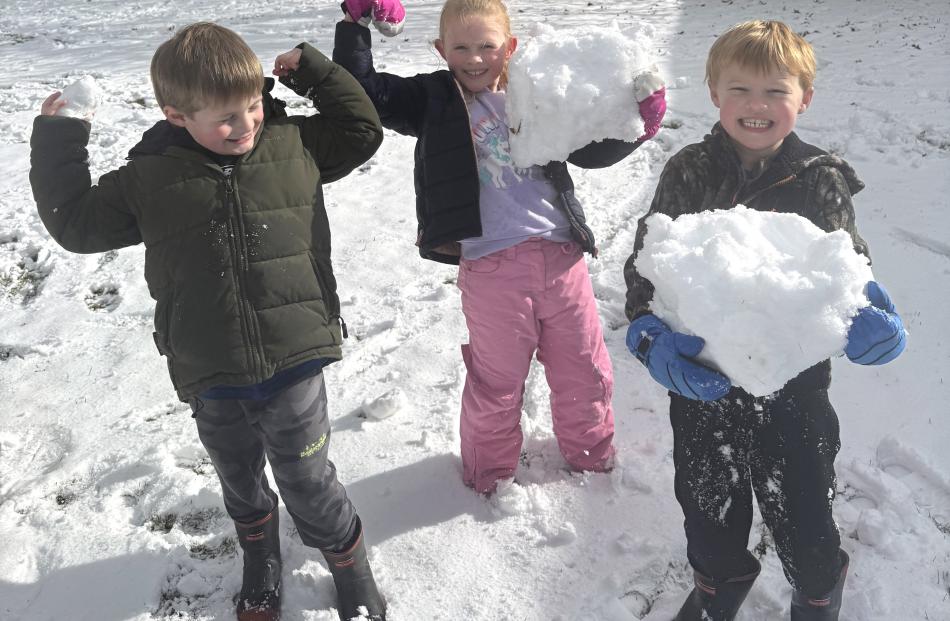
x: 163, y: 134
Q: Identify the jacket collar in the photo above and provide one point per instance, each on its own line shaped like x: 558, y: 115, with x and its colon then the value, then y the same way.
x: 793, y: 159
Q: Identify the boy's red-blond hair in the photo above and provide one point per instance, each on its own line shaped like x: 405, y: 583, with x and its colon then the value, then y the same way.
x: 762, y: 46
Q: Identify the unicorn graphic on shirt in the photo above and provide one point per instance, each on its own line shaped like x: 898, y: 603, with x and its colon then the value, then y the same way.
x: 491, y: 143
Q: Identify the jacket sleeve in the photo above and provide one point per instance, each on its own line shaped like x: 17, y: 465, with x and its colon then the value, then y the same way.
x: 602, y: 153
x: 81, y: 217
x: 346, y: 131
x: 400, y: 102
x: 832, y: 205
x: 673, y: 197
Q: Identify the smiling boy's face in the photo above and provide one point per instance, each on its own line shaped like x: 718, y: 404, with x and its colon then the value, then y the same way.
x: 225, y: 129
x: 758, y: 110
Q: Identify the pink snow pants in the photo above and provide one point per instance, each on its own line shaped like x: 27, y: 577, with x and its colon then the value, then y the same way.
x: 534, y: 296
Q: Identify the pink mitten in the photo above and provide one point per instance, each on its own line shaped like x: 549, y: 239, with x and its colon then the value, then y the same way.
x: 650, y: 93
x: 388, y: 16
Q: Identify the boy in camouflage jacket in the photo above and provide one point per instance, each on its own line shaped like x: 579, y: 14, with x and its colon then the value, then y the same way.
x: 226, y: 196
x: 760, y: 76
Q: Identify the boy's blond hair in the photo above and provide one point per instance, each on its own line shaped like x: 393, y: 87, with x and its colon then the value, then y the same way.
x: 202, y: 65
x: 762, y: 46
x: 463, y: 9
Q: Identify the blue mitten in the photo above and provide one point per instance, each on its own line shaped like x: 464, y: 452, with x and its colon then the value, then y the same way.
x: 877, y: 333
x: 668, y: 354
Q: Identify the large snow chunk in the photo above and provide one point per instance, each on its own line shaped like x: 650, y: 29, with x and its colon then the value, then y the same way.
x: 771, y: 293
x: 565, y: 92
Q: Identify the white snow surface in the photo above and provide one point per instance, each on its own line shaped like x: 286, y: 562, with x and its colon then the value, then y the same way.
x: 771, y: 293
x: 109, y: 508
x: 570, y: 87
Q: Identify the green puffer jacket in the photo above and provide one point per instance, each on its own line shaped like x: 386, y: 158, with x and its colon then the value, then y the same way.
x: 239, y: 266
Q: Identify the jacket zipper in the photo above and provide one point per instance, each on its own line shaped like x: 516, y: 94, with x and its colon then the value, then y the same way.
x: 565, y: 208
x: 471, y: 141
x: 759, y: 193
x: 239, y: 252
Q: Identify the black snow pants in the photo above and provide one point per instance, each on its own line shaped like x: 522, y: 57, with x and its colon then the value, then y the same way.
x: 781, y: 448
x: 292, y: 429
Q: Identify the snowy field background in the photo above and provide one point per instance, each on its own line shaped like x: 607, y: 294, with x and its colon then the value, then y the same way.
x: 109, y: 508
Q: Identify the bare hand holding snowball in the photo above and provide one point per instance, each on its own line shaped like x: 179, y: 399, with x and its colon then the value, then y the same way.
x: 78, y: 100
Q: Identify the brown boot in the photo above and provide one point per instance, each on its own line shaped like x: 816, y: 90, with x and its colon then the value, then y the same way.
x: 260, y: 588
x: 357, y: 595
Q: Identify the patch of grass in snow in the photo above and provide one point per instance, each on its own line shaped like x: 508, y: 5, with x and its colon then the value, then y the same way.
x: 104, y: 297
x: 162, y: 522
x: 202, y: 551
x: 20, y: 283
x: 203, y: 466
x: 200, y: 521
x: 940, y: 142
x: 15, y: 38
x: 173, y: 604
x: 65, y: 498
x: 8, y: 351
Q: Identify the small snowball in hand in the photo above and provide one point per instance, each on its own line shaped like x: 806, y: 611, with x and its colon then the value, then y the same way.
x: 82, y: 97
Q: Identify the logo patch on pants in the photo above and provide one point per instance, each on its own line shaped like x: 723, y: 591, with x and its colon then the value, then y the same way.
x: 314, y: 447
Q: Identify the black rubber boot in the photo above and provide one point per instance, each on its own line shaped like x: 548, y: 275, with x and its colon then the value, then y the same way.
x: 716, y: 601
x: 260, y: 588
x: 826, y: 607
x: 355, y: 587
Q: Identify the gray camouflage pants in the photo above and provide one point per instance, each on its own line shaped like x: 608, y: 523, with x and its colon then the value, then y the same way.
x: 293, y: 430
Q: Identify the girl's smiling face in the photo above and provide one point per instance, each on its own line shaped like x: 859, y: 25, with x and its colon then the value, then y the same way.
x: 477, y: 50
x: 758, y: 110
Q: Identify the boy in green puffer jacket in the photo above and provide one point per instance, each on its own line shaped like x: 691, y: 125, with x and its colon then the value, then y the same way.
x: 226, y: 196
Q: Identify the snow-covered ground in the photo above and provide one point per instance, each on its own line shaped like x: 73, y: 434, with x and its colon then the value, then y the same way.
x: 109, y: 508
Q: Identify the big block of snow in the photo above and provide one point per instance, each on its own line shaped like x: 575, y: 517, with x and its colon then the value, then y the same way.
x: 566, y: 90
x: 771, y: 293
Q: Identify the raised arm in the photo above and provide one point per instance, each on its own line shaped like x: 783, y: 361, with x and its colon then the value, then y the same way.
x: 81, y: 217
x: 346, y: 132
x: 400, y: 102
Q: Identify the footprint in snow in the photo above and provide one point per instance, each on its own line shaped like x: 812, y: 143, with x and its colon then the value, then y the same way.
x: 377, y: 328
x: 896, y: 505
x: 194, y: 458
x: 512, y: 498
x: 169, y: 408
x: 14, y: 351
x: 438, y: 294
x: 36, y: 450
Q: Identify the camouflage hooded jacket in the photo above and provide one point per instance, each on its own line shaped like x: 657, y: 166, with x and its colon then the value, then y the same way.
x: 800, y: 179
